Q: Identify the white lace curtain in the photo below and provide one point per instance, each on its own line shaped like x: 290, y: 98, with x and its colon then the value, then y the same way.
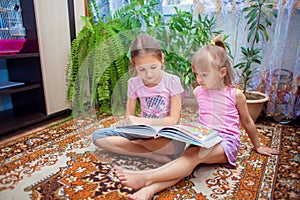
x: 280, y: 72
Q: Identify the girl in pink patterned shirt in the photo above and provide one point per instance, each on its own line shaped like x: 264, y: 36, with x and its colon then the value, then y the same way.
x: 159, y: 94
x: 221, y: 107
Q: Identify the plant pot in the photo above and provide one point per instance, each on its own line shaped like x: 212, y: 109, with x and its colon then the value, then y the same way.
x: 255, y: 105
x: 188, y: 100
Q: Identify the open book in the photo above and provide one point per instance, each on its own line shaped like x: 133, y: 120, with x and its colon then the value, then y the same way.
x: 191, y: 133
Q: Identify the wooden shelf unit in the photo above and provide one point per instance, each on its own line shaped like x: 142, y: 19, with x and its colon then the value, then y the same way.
x: 41, y: 65
x: 28, y: 102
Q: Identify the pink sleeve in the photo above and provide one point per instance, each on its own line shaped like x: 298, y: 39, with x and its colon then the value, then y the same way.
x: 131, y: 92
x: 175, y: 85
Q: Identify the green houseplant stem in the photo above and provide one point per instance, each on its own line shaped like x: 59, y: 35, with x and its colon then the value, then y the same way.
x: 258, y: 15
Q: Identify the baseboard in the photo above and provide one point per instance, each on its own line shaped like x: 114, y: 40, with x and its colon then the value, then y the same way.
x: 43, y: 121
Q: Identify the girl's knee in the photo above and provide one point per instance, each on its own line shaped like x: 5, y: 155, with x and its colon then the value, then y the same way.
x: 96, y: 136
x: 98, y: 142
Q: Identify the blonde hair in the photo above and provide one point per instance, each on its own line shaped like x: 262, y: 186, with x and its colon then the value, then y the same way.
x: 144, y: 45
x: 214, y: 55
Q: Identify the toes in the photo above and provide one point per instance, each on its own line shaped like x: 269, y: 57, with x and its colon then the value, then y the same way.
x: 122, y: 178
x: 118, y: 169
x: 131, y: 197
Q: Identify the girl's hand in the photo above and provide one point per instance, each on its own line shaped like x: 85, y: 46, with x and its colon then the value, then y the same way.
x: 133, y: 120
x: 267, y: 151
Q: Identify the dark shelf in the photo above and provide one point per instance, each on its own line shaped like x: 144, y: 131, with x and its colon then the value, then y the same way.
x: 21, y: 88
x: 28, y: 100
x: 19, y: 55
x: 17, y: 119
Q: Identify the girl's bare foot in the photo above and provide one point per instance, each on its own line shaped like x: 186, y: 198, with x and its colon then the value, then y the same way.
x: 143, y: 194
x: 131, y: 180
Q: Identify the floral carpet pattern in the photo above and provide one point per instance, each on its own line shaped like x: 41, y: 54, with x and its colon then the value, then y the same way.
x: 60, y: 162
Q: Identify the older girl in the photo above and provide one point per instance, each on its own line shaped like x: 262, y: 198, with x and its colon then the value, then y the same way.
x: 159, y: 94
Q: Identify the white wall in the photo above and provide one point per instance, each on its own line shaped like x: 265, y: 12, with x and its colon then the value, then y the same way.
x: 79, y: 10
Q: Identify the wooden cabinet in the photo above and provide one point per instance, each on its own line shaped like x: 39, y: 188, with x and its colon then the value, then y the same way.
x: 53, y: 31
x: 40, y: 65
x: 28, y: 103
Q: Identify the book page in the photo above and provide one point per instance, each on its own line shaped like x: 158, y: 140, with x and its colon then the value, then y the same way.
x: 191, y: 131
x: 141, y: 131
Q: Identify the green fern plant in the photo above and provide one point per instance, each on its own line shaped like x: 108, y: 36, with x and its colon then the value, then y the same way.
x: 99, y: 55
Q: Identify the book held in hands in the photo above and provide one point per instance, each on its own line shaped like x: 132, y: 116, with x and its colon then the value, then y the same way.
x: 191, y: 133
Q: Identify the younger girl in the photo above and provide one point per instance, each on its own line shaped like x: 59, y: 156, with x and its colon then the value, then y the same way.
x: 221, y: 107
x: 159, y: 94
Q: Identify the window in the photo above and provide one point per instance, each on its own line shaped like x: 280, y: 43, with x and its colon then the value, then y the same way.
x: 177, y: 2
x: 168, y: 6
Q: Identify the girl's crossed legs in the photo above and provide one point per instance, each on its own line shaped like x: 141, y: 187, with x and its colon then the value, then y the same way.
x: 159, y: 149
x: 149, y: 182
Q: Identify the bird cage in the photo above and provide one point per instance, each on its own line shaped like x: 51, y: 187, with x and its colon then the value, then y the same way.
x: 12, y: 31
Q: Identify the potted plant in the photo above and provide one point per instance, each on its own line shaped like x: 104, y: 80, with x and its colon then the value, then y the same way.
x: 258, y: 15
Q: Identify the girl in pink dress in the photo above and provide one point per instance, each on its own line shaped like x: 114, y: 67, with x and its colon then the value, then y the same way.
x: 221, y: 107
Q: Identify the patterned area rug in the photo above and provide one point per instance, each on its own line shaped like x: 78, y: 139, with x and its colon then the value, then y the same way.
x: 60, y: 162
